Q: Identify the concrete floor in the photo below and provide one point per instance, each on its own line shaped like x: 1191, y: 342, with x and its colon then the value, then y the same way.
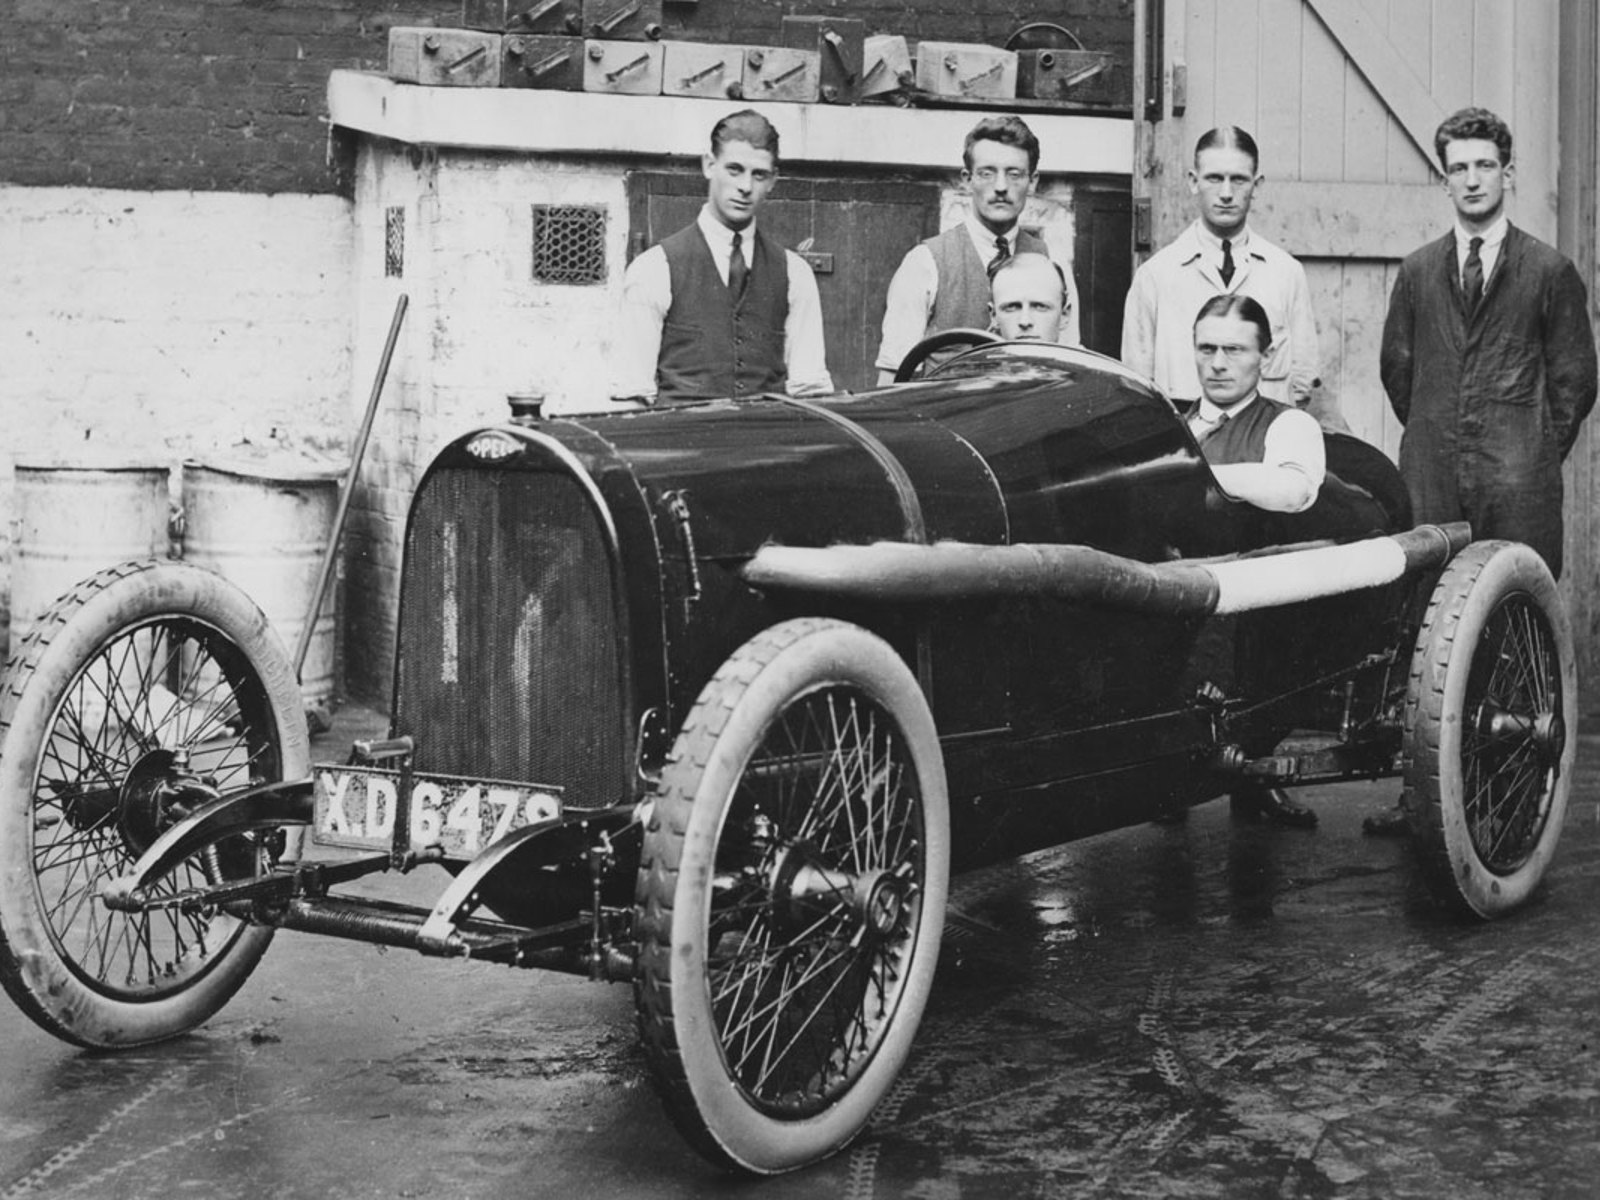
x: 1198, y: 1011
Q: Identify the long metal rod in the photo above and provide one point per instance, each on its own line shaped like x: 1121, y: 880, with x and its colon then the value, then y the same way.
x: 331, y: 554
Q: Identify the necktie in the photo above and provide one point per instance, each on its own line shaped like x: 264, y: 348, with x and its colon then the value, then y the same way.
x: 1203, y: 428
x: 1002, y: 251
x: 1227, y: 262
x: 1472, y: 274
x: 738, y: 272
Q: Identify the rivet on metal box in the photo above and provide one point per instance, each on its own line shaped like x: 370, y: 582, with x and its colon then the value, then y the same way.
x: 523, y: 16
x: 553, y: 63
x: 444, y: 57
x: 618, y: 20
x: 701, y: 69
x: 781, y: 73
x: 627, y: 68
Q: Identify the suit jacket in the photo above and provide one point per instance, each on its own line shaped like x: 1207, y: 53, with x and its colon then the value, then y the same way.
x: 1491, y: 400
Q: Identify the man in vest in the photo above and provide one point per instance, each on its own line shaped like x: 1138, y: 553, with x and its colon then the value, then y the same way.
x: 1262, y: 452
x: 720, y: 308
x: 943, y: 282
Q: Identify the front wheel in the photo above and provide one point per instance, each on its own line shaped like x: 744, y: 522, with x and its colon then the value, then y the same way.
x: 1490, y: 729
x: 791, y: 895
x: 147, y: 690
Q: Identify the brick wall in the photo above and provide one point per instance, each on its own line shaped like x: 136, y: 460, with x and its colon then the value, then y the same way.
x: 228, y: 95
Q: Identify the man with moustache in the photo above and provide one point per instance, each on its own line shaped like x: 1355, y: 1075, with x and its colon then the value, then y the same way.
x: 943, y: 282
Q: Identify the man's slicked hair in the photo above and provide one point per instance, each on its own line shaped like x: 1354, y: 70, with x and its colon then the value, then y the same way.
x: 747, y: 126
x: 1228, y: 137
x: 1008, y: 131
x: 1473, y: 124
x: 1246, y: 308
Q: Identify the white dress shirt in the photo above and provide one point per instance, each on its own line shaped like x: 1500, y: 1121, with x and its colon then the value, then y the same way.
x: 909, y: 303
x: 1294, y: 459
x: 647, y: 296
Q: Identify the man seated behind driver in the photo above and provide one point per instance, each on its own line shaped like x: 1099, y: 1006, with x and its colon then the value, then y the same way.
x: 1028, y: 298
x: 1262, y: 452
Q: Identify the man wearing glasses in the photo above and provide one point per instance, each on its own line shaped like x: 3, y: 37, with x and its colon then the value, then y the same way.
x: 943, y: 282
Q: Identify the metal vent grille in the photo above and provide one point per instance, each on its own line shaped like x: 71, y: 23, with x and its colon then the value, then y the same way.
x: 569, y: 243
x: 509, y: 662
x: 394, y: 242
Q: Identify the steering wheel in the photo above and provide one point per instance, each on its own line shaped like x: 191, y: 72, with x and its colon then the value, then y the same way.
x: 943, y: 340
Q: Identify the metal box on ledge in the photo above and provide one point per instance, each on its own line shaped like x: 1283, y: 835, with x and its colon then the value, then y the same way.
x: 615, y: 20
x: 523, y: 16
x: 967, y: 71
x: 838, y: 43
x: 699, y: 69
x: 444, y: 57
x: 554, y: 63
x: 626, y: 68
x: 1087, y: 76
x: 781, y: 73
x: 886, y: 65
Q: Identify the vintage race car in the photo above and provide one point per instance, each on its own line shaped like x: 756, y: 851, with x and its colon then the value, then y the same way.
x: 712, y: 698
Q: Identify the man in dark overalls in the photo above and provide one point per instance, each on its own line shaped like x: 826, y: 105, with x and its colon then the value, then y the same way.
x: 1488, y: 359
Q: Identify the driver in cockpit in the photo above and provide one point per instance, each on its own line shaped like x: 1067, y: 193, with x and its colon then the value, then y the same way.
x: 1028, y: 298
x: 1265, y: 453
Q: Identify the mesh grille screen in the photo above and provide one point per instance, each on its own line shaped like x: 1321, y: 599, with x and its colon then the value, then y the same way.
x: 569, y: 243
x: 508, y: 662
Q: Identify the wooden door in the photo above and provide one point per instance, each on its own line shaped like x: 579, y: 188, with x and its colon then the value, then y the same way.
x: 1343, y: 97
x: 853, y: 233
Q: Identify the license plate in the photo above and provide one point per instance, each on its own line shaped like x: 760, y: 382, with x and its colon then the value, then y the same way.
x: 356, y: 807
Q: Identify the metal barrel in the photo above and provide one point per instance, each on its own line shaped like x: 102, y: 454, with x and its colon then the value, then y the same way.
x: 263, y: 524
x: 76, y: 518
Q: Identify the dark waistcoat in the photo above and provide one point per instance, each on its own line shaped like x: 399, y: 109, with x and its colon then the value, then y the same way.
x: 962, y: 301
x: 1243, y: 439
x: 710, y: 346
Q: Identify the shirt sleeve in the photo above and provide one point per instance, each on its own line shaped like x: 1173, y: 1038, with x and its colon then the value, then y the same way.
x: 805, y: 353
x: 1291, y: 471
x: 646, y: 297
x: 907, y: 306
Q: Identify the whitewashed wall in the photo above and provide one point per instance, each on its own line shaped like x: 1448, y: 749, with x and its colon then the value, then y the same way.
x: 159, y: 325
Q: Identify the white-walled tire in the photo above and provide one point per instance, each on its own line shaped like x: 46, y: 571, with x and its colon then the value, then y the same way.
x: 136, y: 666
x: 791, y: 896
x: 1490, y: 731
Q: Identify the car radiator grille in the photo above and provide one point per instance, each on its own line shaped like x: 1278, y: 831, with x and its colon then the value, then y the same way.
x: 508, y: 664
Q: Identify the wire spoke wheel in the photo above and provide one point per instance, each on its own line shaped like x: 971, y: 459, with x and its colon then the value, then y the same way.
x: 148, y: 692
x: 791, y: 896
x: 1489, y: 743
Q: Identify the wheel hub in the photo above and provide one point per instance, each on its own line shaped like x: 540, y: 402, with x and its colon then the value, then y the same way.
x: 801, y: 889
x: 1545, y: 731
x: 157, y: 793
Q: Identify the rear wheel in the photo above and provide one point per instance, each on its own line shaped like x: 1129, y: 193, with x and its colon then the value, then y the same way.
x: 791, y: 895
x: 1489, y: 738
x: 148, y: 690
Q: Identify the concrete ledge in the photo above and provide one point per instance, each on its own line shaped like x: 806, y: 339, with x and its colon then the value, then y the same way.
x: 552, y: 122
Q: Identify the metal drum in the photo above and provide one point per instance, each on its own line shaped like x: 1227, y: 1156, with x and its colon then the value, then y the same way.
x: 264, y: 524
x: 75, y: 519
